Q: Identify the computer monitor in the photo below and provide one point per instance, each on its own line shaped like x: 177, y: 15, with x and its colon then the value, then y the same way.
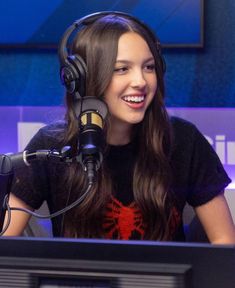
x: 67, y: 263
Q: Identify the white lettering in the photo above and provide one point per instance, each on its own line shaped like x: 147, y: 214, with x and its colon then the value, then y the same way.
x: 224, y: 149
x: 220, y: 147
x: 230, y: 153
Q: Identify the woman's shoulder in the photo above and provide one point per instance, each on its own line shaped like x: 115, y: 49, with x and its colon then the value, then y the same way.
x: 186, y: 136
x: 184, y: 130
x: 53, y: 129
x: 181, y: 124
x: 49, y: 136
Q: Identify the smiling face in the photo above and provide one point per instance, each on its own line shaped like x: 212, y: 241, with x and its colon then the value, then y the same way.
x: 133, y: 84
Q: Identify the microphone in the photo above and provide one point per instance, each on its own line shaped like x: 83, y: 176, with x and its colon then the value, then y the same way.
x: 91, y: 113
x: 10, y: 162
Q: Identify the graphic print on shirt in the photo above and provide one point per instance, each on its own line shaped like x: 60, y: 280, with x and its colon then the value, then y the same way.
x: 123, y: 222
x: 126, y: 222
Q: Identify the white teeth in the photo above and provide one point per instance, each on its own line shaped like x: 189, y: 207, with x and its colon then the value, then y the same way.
x: 135, y: 99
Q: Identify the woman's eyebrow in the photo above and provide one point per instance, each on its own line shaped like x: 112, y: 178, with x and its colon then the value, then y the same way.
x: 123, y: 61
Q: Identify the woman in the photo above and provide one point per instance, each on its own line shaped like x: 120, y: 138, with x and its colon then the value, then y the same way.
x: 152, y: 164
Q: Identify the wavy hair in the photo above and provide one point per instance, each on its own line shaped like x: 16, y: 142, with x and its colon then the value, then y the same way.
x: 97, y: 44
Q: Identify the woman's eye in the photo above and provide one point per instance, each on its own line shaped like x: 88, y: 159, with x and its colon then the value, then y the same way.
x: 150, y: 67
x: 120, y: 70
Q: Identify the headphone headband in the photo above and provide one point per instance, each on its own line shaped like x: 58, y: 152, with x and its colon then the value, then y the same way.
x: 73, y: 68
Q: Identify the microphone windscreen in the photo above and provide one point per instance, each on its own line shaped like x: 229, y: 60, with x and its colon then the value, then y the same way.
x: 90, y: 103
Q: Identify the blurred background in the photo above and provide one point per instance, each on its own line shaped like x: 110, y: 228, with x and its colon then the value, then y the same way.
x: 198, y: 42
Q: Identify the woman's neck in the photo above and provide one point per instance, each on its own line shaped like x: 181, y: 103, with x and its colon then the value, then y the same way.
x: 119, y: 134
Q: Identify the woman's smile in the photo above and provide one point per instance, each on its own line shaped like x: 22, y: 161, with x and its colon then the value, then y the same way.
x: 133, y: 84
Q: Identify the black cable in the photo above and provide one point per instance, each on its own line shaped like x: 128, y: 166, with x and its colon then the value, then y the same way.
x: 50, y: 216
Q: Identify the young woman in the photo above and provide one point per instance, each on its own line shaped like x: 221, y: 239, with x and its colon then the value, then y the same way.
x: 152, y: 163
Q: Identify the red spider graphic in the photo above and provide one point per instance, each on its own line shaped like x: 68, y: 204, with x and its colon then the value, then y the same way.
x: 121, y: 221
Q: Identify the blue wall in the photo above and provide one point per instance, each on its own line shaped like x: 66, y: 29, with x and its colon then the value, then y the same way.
x: 196, y: 77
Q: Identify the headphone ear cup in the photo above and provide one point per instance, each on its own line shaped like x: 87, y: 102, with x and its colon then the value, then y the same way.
x: 67, y: 77
x: 73, y: 75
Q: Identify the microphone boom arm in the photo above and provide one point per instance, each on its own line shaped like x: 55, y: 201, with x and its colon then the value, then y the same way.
x: 10, y: 162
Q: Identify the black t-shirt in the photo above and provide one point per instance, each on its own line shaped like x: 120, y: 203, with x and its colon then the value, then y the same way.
x: 198, y: 176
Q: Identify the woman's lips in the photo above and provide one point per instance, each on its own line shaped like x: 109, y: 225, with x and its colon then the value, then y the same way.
x: 134, y: 101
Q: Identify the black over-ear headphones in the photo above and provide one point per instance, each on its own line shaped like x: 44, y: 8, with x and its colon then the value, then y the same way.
x: 73, y: 69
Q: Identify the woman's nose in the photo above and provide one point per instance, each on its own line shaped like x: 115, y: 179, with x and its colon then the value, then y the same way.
x: 138, y: 79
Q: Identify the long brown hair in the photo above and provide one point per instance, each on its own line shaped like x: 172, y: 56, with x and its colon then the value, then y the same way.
x: 97, y: 45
